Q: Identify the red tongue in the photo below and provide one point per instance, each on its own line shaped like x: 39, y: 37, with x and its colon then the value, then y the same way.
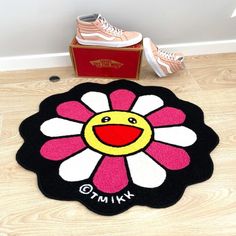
x: 117, y: 135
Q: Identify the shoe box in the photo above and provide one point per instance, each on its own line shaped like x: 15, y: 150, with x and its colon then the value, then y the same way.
x: 98, y: 61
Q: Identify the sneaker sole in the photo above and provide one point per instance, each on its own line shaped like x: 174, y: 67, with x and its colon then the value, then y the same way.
x: 110, y: 44
x: 151, y: 59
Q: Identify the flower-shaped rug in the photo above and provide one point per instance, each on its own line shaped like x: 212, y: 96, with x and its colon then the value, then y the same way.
x: 117, y: 145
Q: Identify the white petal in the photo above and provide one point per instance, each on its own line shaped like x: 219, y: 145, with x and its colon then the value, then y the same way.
x: 146, y: 104
x: 97, y: 101
x: 144, y: 171
x: 80, y: 166
x: 178, y: 135
x: 57, y: 127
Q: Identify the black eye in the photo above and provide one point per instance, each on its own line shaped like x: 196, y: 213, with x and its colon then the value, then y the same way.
x: 105, y: 119
x: 132, y: 120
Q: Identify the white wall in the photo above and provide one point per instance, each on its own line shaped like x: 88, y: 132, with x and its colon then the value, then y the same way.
x: 47, y: 26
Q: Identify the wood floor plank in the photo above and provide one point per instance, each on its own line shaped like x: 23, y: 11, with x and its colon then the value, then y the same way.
x: 221, y: 76
x: 221, y: 59
x: 208, y: 208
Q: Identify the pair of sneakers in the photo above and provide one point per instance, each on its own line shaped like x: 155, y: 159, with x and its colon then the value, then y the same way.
x: 94, y: 29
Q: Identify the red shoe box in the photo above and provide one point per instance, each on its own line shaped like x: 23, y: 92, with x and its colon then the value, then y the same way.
x: 97, y: 61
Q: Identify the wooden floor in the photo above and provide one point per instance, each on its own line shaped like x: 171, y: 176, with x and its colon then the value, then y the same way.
x: 208, y: 208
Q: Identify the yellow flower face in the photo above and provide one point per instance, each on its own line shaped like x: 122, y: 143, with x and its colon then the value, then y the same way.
x: 117, y: 132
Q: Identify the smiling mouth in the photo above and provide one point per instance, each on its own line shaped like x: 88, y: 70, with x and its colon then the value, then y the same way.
x: 117, y: 135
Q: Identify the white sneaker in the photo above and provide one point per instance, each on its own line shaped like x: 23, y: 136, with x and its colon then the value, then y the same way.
x: 95, y: 30
x: 162, y: 62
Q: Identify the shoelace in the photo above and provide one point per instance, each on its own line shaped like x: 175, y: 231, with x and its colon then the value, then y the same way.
x: 166, y: 54
x: 110, y: 28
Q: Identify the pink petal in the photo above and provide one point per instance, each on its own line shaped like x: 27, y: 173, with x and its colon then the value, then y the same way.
x: 111, y: 176
x: 74, y: 110
x: 169, y: 156
x: 60, y: 148
x: 122, y: 99
x: 166, y: 116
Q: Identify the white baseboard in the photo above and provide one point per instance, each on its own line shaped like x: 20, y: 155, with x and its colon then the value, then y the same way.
x: 203, y: 48
x: 63, y: 59
x: 35, y: 61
